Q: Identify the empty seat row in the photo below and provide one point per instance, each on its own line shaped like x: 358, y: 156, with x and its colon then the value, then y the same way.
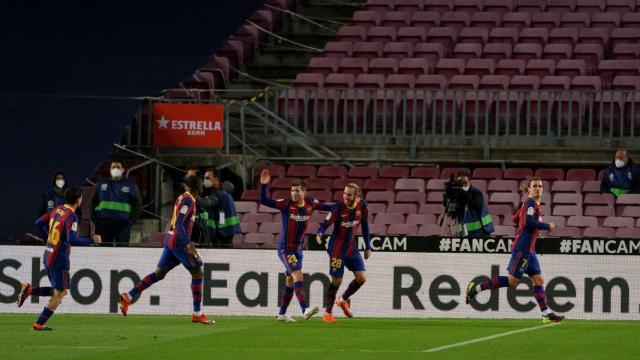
x: 356, y: 173
x: 491, y: 19
x: 502, y: 6
x: 449, y: 36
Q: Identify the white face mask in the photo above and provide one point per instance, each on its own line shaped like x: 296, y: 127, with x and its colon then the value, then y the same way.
x: 619, y: 163
x: 466, y: 187
x: 207, y: 183
x: 60, y: 183
x: 116, y: 173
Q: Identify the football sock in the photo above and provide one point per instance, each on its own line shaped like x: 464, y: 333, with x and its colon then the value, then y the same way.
x: 297, y: 288
x: 331, y: 298
x: 143, y: 284
x: 196, y: 291
x: 353, y: 287
x: 538, y: 293
x: 287, y: 294
x: 42, y: 291
x: 44, y: 316
x: 495, y: 283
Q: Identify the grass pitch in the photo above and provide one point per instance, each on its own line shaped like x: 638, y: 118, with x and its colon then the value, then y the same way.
x: 173, y: 337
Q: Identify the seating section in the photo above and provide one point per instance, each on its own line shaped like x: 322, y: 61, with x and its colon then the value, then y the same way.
x: 408, y: 201
x: 542, y: 46
x: 237, y: 51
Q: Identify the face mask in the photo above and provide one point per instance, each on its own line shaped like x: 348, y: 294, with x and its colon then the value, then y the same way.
x: 60, y: 183
x: 116, y: 173
x: 466, y: 187
x: 207, y: 183
x: 619, y: 163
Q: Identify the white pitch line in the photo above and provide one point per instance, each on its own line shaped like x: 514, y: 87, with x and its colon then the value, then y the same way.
x: 463, y: 343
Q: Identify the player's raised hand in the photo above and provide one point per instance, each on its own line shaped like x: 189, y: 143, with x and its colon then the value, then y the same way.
x: 265, y: 177
x: 367, y: 254
x: 552, y: 226
x: 97, y: 239
x: 319, y: 239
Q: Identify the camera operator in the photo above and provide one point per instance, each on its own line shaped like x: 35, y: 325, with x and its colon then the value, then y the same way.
x: 223, y: 221
x: 472, y: 211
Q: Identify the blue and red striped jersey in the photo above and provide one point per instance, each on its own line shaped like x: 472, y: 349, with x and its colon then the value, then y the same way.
x: 61, y: 232
x: 346, y: 222
x: 529, y: 220
x: 182, y: 218
x: 295, y: 218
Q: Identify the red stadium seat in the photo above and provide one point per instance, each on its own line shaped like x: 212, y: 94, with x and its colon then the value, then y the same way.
x: 618, y: 222
x: 435, y: 209
x: 581, y: 175
x: 599, y: 199
x: 380, y: 196
x: 566, y: 186
x: 567, y: 231
x: 402, y: 229
x: 410, y: 184
x: 378, y: 184
x: 383, y: 66
x: 510, y: 186
x: 402, y: 208
x: 256, y: 218
x: 418, y: 198
x: 628, y: 233
x: 243, y: 207
x: 425, y: 172
x: 250, y: 195
x: 395, y: 19
x: 332, y: 171
x: 363, y: 172
x: 599, y: 211
x: 517, y: 173
x: 388, y: 218
x: 430, y: 230
x: 567, y: 210
x: 339, y: 184
x: 582, y: 221
x: 599, y: 232
x: 420, y: 219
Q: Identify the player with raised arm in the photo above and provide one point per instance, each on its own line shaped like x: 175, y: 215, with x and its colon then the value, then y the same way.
x: 523, y: 253
x: 343, y: 248
x: 296, y: 212
x: 60, y: 228
x: 178, y: 249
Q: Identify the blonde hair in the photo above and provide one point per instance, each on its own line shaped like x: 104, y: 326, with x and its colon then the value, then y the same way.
x: 356, y: 188
x: 525, y: 188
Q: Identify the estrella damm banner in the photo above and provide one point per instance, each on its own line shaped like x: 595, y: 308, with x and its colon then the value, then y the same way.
x: 188, y: 125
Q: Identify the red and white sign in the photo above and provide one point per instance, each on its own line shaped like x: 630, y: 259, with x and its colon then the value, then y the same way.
x: 188, y: 125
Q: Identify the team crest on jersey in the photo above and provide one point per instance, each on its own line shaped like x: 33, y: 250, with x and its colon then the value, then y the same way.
x: 125, y: 189
x: 184, y: 209
x: 530, y: 211
x: 50, y: 203
x: 104, y: 187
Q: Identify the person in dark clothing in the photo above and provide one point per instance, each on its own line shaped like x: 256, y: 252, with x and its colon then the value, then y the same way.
x: 622, y: 176
x: 223, y: 220
x: 115, y: 206
x: 54, y: 197
x: 472, y: 210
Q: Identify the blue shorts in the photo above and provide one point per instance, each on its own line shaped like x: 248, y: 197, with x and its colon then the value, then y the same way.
x: 353, y: 263
x: 179, y: 255
x: 523, y: 263
x: 291, y: 259
x: 59, y: 278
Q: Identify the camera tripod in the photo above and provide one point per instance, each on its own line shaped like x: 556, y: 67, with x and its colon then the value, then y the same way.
x: 450, y: 225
